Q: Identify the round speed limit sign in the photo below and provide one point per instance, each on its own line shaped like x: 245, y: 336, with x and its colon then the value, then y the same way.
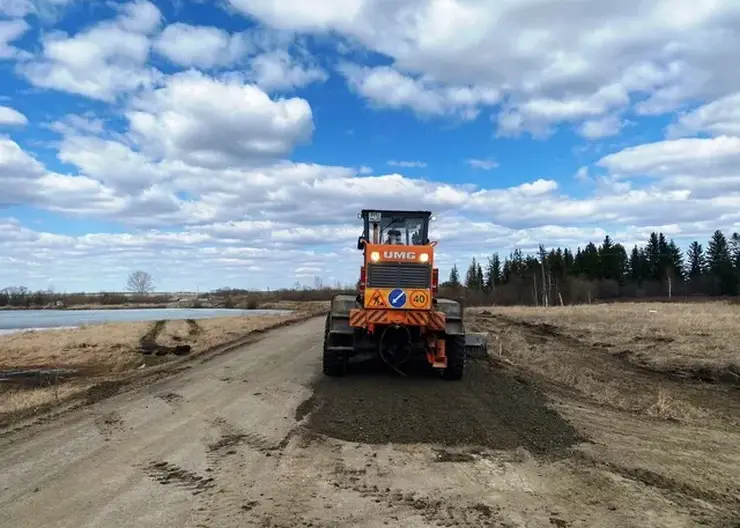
x: 419, y: 299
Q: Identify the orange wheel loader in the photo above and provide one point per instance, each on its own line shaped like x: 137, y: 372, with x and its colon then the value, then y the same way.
x: 397, y: 313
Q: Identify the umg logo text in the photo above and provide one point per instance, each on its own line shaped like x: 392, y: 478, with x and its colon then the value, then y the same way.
x: 408, y: 255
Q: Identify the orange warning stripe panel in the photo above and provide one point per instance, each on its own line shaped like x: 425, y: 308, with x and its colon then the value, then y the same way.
x: 356, y: 318
x: 375, y: 316
x: 418, y: 318
x: 437, y: 320
x: 362, y: 318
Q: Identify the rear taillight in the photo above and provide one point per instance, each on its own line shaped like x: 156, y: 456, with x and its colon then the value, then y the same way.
x: 435, y: 280
x: 362, y: 279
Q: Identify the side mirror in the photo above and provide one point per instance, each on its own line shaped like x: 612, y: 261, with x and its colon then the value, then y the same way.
x: 360, y: 242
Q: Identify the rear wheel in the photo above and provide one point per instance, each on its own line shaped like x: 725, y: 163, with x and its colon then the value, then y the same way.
x: 334, y: 357
x: 455, y: 351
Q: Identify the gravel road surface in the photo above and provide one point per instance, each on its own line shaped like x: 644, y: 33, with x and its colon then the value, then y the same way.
x: 258, y: 437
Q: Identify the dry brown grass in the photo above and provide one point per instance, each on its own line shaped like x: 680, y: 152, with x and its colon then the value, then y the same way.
x: 662, y: 335
x: 627, y: 377
x: 314, y: 306
x: 626, y: 356
x: 108, y: 351
x: 107, y: 347
x: 17, y: 401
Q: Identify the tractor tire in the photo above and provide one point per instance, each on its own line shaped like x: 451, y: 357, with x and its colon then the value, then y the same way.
x: 334, y: 361
x: 456, y: 355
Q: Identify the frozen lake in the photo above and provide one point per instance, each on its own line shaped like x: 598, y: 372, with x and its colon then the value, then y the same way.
x: 14, y: 321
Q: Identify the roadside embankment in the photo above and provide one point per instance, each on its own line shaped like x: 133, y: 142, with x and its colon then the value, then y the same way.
x: 43, y: 370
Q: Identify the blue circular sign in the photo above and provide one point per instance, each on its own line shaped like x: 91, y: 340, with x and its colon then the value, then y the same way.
x: 397, y: 298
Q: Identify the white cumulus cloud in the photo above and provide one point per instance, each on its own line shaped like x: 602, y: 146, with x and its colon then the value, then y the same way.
x: 549, y: 61
x: 408, y: 164
x: 201, y: 46
x: 217, y: 123
x: 482, y: 164
x: 720, y: 117
x: 11, y: 116
x: 100, y: 62
x: 198, y: 167
x: 11, y: 30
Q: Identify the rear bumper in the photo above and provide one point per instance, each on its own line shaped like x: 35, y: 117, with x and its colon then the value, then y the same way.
x: 361, y: 318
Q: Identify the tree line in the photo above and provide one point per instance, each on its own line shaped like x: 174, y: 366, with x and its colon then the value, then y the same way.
x: 659, y: 268
x: 609, y: 271
x: 139, y: 283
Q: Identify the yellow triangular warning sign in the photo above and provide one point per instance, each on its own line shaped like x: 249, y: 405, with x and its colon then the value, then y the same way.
x: 377, y: 301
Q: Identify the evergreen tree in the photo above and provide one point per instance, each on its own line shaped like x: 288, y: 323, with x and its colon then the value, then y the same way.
x: 636, y: 266
x: 652, y: 257
x: 664, y: 258
x: 621, y: 263
x: 471, y: 277
x: 493, y: 272
x: 556, y: 263
x: 605, y: 257
x: 568, y: 261
x: 675, y: 261
x: 590, y: 262
x: 613, y: 259
x: 506, y: 272
x: 697, y: 261
x: 518, y: 267
x: 719, y: 263
x: 531, y: 265
x: 479, y: 281
x: 578, y: 262
x: 735, y: 251
x: 454, y: 280
x: 735, y: 256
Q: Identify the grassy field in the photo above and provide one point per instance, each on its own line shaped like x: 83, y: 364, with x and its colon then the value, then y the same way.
x: 656, y: 387
x: 105, y: 353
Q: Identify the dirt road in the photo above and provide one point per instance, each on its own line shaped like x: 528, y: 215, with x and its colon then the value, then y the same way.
x: 257, y: 437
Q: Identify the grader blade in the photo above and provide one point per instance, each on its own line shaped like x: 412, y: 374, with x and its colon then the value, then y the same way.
x: 476, y: 344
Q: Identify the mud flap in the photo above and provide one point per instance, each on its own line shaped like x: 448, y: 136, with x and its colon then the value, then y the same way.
x: 476, y: 344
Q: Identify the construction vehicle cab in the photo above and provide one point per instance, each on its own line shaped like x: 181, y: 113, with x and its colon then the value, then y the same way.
x: 397, y: 313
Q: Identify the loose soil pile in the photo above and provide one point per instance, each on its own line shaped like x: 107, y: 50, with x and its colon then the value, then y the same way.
x: 488, y: 408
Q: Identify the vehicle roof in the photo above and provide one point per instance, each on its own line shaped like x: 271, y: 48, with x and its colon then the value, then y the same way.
x: 396, y: 211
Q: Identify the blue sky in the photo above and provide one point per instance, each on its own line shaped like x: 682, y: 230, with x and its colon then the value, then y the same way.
x: 232, y: 143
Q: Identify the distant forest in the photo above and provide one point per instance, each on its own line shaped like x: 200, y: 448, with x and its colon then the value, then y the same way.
x: 605, y: 272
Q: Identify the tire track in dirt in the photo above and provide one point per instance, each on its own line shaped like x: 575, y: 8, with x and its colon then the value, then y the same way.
x: 148, y: 343
x: 237, y: 502
x: 194, y: 329
x: 680, y: 491
x: 167, y: 473
x: 174, y: 399
x: 232, y: 436
x: 446, y: 511
x: 109, y: 424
